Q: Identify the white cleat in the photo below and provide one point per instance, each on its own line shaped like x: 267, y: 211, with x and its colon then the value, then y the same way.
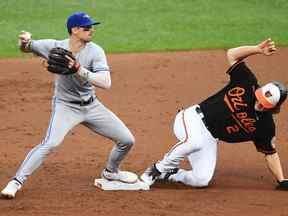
x: 121, y: 176
x: 11, y: 189
x: 150, y: 175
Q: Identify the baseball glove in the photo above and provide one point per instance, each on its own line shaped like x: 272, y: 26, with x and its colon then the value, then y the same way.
x: 283, y: 185
x: 62, y: 61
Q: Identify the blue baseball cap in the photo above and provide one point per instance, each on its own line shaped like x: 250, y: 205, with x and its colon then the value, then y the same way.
x: 80, y: 19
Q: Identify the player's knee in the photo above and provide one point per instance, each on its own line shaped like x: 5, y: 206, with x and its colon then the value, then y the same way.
x: 131, y: 140
x: 50, y: 146
x: 127, y: 142
x: 204, y: 182
x: 198, y: 180
x: 44, y: 149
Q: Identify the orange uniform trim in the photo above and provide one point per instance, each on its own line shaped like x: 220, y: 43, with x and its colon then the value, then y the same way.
x: 186, y: 133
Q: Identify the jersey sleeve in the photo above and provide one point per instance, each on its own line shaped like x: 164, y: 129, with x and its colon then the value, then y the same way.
x: 99, y: 62
x: 265, y: 146
x: 42, y: 47
x: 239, y: 72
x: 264, y: 136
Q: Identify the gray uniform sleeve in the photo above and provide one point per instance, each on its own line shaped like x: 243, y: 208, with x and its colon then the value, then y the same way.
x: 99, y: 62
x: 42, y: 47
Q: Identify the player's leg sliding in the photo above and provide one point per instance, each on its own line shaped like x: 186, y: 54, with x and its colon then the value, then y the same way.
x: 153, y: 174
x: 169, y: 164
x: 162, y: 171
x: 200, y: 152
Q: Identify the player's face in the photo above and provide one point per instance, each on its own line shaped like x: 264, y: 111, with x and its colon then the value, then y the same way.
x: 259, y: 107
x: 84, y: 33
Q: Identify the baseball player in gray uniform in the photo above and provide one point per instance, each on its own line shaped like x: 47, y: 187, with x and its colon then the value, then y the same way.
x: 75, y: 102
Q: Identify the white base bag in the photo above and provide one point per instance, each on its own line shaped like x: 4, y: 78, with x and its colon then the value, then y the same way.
x: 117, y: 185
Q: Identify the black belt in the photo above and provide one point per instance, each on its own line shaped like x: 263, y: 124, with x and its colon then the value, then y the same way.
x: 199, y: 111
x: 83, y: 102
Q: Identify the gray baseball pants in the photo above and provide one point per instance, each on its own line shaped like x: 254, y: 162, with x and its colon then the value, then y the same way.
x: 64, y: 117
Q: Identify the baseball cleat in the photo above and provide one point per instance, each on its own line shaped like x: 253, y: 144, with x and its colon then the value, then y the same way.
x: 165, y: 176
x: 150, y: 175
x: 122, y: 176
x: 11, y: 189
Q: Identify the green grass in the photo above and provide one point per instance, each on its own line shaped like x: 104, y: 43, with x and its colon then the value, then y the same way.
x: 150, y: 25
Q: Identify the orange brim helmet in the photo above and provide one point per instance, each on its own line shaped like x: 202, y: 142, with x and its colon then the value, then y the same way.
x: 271, y: 95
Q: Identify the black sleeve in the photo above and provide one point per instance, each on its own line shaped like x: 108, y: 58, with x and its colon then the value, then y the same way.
x: 239, y: 72
x: 264, y: 135
x: 265, y: 146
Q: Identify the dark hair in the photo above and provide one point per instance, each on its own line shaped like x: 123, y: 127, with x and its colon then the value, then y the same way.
x: 275, y: 110
x: 283, y: 93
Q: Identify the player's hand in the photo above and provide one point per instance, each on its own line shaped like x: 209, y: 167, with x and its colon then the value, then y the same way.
x: 24, y: 36
x: 282, y: 185
x: 62, y: 62
x: 267, y: 47
x: 72, y: 62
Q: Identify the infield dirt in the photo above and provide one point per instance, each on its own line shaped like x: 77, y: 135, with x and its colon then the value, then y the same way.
x: 147, y: 90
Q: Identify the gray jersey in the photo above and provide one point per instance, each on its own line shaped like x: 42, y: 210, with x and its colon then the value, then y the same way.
x: 71, y: 87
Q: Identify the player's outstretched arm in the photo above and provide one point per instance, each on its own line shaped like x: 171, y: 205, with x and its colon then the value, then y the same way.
x: 24, y: 40
x: 274, y: 165
x: 266, y: 47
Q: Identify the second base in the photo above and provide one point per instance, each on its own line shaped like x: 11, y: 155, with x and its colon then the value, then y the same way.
x: 116, y: 185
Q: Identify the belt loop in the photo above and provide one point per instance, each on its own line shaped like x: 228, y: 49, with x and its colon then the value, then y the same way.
x: 200, y: 113
x: 82, y: 102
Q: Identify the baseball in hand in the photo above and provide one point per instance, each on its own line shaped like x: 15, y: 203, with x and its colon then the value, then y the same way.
x: 24, y: 37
